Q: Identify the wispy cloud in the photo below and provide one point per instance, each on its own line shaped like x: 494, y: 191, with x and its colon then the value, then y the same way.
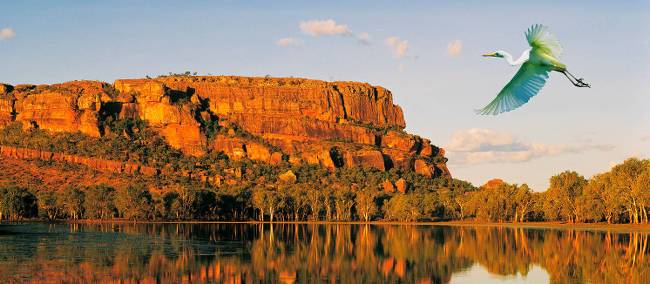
x: 7, y: 33
x: 398, y: 46
x: 364, y: 38
x: 476, y: 146
x: 323, y: 27
x: 455, y: 48
x: 287, y: 41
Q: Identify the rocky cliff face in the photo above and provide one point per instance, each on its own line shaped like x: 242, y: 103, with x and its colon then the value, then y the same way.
x: 333, y: 124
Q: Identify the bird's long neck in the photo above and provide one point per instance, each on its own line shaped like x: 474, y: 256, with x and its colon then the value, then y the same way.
x: 523, y: 58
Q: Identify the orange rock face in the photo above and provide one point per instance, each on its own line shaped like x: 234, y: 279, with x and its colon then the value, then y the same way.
x: 401, y: 185
x: 6, y: 104
x: 238, y: 148
x: 67, y: 107
x: 332, y: 124
x: 388, y: 186
x: 493, y: 183
x: 370, y: 158
x: 421, y: 167
x: 328, y: 101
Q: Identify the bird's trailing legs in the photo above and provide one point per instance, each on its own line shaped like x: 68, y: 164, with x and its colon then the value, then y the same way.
x: 575, y: 81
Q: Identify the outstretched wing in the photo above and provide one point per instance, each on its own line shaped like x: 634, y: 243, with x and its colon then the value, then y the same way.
x: 540, y: 37
x: 527, y: 82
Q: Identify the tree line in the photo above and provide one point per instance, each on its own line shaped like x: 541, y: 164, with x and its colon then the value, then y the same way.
x: 621, y: 195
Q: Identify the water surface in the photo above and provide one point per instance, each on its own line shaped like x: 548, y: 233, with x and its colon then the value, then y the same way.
x: 254, y: 253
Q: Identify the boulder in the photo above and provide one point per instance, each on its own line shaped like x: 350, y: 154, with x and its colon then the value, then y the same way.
x: 399, y: 140
x: 368, y: 158
x: 388, y: 186
x: 401, y: 185
x: 493, y: 183
x: 288, y: 177
x: 421, y: 167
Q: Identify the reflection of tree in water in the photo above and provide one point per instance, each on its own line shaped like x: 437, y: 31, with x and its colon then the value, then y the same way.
x: 569, y: 256
x: 315, y: 253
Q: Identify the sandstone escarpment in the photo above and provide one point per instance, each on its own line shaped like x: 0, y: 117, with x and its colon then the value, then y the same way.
x: 333, y: 124
x: 68, y: 107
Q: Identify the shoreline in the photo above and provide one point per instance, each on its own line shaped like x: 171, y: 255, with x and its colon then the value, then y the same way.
x: 526, y: 225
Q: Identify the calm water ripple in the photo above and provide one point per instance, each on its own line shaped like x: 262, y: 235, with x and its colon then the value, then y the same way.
x: 314, y: 253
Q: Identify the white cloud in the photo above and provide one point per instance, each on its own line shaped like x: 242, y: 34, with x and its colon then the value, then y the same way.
x: 398, y: 46
x: 455, y: 48
x: 364, y: 38
x: 476, y: 146
x: 287, y: 41
x: 323, y: 27
x: 7, y: 33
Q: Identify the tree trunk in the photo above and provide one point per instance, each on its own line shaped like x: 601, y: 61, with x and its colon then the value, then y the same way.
x: 271, y: 213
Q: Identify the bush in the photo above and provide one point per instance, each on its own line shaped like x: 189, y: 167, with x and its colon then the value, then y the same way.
x: 99, y: 202
x: 135, y: 203
x: 17, y: 203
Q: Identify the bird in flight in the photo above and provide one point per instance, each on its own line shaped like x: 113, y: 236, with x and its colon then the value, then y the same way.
x: 536, y: 63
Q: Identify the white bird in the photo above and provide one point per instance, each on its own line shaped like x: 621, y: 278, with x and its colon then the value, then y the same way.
x: 536, y: 62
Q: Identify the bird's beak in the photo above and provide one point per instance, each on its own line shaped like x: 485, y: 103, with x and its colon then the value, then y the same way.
x: 493, y: 54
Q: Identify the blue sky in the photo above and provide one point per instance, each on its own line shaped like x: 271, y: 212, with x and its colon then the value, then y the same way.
x: 432, y: 65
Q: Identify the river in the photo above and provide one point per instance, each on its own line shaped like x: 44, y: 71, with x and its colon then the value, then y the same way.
x: 335, y: 253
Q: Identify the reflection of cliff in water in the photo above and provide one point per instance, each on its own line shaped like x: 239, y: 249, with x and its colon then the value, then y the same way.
x: 307, y: 253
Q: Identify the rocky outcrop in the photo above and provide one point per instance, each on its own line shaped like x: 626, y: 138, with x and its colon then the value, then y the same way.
x: 94, y: 163
x: 401, y: 185
x: 388, y: 186
x: 493, y: 183
x: 332, y: 124
x: 7, y: 99
x: 67, y: 107
x: 119, y: 167
x: 151, y: 101
x: 292, y: 97
x: 238, y: 148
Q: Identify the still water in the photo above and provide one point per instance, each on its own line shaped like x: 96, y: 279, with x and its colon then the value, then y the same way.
x: 287, y: 253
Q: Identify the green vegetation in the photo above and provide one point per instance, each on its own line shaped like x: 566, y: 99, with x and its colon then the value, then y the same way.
x: 17, y: 203
x: 248, y: 190
x: 621, y: 195
x: 184, y: 74
x: 618, y: 196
